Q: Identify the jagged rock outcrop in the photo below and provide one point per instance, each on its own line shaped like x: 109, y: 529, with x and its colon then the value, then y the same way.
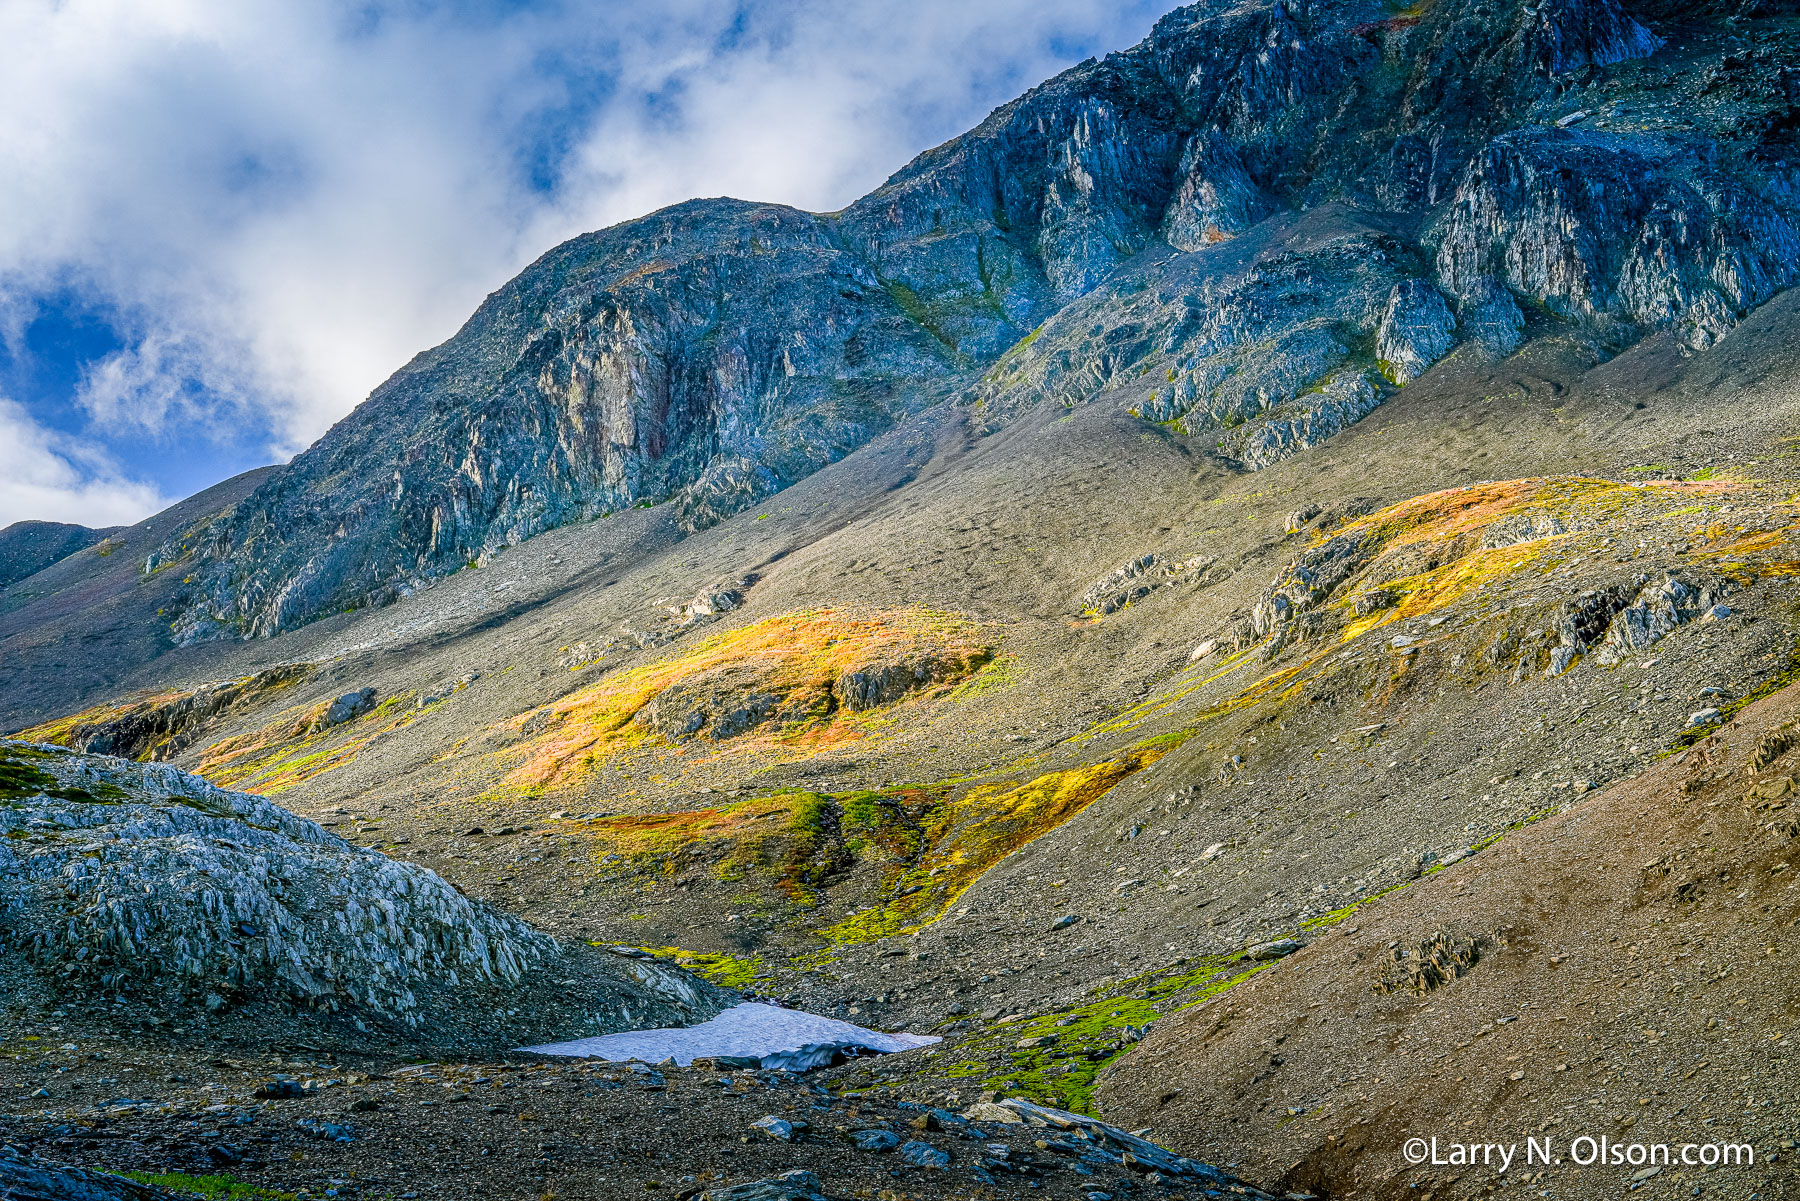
x: 1232, y: 227
x: 1603, y: 226
x: 149, y: 884
x: 28, y: 1178
x: 711, y: 353
x: 1416, y: 331
x: 160, y: 727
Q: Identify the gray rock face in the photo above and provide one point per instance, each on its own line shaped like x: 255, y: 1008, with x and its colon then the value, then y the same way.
x: 138, y: 880
x: 1232, y: 226
x: 1491, y: 317
x: 1604, y: 226
x: 27, y: 1178
x: 1344, y: 399
x: 1416, y: 331
x: 710, y: 354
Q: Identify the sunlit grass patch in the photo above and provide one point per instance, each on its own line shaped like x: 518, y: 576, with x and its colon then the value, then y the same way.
x: 1088, y: 1038
x: 795, y: 666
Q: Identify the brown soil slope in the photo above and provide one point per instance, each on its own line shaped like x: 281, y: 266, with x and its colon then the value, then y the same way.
x: 1623, y: 969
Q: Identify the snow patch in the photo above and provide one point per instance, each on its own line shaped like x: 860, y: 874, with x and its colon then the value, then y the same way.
x: 751, y: 1029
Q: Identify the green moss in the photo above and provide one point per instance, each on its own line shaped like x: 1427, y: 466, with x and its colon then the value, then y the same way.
x: 967, y: 835
x: 997, y: 673
x: 206, y: 1186
x: 1088, y: 1038
x: 728, y: 971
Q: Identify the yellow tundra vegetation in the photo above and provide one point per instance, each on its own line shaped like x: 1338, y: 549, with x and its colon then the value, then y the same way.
x: 797, y: 660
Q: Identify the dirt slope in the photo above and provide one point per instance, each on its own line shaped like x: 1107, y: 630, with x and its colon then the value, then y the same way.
x: 1624, y: 969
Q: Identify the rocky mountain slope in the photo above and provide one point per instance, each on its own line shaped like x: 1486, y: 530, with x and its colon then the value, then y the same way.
x: 1458, y: 165
x: 1623, y: 969
x: 1300, y: 473
x: 27, y: 547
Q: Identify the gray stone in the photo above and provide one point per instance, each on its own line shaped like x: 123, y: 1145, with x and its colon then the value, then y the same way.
x: 797, y: 1185
x: 25, y: 1178
x: 874, y: 1140
x: 1278, y: 949
x: 350, y: 706
x: 776, y: 1128
x: 921, y: 1154
x: 195, y: 894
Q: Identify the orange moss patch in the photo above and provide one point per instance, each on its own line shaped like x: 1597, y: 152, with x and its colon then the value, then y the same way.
x: 798, y: 659
x: 1452, y: 511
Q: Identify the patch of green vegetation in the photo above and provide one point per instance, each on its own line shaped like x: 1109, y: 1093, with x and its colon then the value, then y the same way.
x: 1000, y: 672
x: 967, y: 835
x: 1088, y: 1038
x: 728, y: 971
x: 206, y: 1186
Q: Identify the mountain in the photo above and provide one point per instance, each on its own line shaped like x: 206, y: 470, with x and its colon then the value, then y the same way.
x: 1413, y: 180
x: 1253, y: 593
x: 27, y: 547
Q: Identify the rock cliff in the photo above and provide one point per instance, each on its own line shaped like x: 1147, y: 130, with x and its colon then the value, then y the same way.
x: 1254, y: 226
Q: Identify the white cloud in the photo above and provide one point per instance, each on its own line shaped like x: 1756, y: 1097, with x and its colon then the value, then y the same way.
x: 51, y: 477
x: 284, y: 201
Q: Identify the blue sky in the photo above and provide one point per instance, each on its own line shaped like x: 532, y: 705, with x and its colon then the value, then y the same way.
x: 222, y: 224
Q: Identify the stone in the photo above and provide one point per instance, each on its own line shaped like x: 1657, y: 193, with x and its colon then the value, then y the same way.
x: 350, y: 706
x: 796, y: 1185
x: 26, y: 1178
x: 1296, y: 521
x: 201, y: 892
x: 874, y: 1140
x: 1065, y: 921
x: 1703, y: 716
x: 1277, y: 949
x: 776, y: 1128
x: 921, y: 1154
x: 988, y: 1111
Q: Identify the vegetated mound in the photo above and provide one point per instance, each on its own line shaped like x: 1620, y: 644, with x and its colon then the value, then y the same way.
x: 162, y: 725
x: 140, y: 885
x: 27, y: 547
x: 1616, y: 970
x: 804, y: 680
x: 847, y: 867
